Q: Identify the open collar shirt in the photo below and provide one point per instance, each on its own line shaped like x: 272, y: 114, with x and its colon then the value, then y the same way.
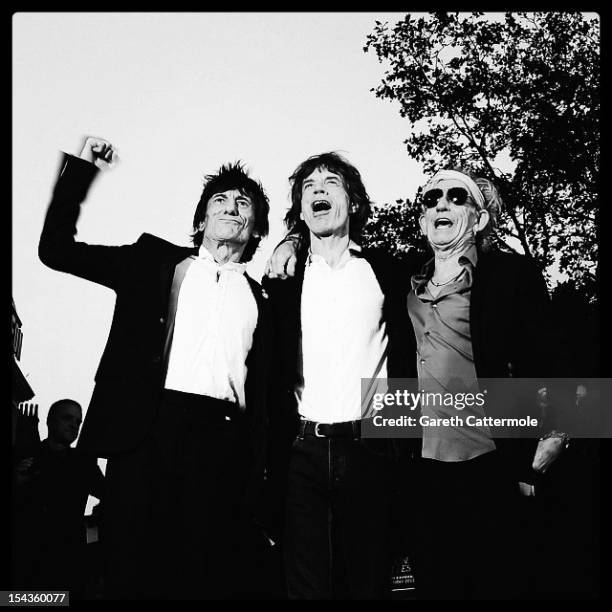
x: 215, y: 319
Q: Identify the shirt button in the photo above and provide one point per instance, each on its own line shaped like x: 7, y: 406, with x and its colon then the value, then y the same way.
x: 162, y: 320
x: 434, y: 305
x: 422, y: 361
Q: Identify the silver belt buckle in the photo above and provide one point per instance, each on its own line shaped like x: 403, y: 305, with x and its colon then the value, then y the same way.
x: 316, y: 431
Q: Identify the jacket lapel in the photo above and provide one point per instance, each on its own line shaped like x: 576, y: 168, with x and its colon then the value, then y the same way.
x: 477, y: 303
x: 172, y: 275
x: 257, y: 359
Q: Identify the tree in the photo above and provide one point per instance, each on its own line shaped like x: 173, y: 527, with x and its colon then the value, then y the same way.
x: 514, y: 98
x: 395, y: 228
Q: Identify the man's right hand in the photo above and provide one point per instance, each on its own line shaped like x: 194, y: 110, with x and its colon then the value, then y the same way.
x: 282, y: 262
x: 526, y: 489
x: 24, y: 472
x: 99, y: 152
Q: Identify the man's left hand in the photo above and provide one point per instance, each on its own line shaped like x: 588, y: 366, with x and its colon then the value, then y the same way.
x: 546, y: 454
x: 526, y: 489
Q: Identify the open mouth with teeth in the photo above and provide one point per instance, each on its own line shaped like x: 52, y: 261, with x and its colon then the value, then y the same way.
x: 443, y: 222
x: 321, y: 206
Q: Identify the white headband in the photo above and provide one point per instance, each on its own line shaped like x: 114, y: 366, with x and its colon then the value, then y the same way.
x: 464, y: 178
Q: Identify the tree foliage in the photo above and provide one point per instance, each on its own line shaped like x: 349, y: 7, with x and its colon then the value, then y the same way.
x: 514, y: 98
x: 395, y: 228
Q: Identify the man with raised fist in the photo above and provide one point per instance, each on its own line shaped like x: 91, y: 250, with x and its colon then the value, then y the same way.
x: 179, y: 403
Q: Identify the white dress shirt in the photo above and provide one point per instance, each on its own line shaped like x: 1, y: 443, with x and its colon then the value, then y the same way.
x: 216, y: 315
x: 343, y: 338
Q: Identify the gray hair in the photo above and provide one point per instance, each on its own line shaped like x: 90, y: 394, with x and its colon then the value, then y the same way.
x: 493, y: 205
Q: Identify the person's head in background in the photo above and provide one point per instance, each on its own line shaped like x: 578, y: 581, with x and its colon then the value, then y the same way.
x: 63, y: 422
x: 581, y: 393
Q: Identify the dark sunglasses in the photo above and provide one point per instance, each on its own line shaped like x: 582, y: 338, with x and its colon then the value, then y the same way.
x: 456, y: 195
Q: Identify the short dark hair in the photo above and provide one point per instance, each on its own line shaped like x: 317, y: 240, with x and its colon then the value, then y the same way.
x: 55, y: 406
x: 358, y: 196
x: 228, y: 177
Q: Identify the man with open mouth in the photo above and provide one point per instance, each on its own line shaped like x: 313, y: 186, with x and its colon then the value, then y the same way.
x: 340, y: 319
x: 478, y: 313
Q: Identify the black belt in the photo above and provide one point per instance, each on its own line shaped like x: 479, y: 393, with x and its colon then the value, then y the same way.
x: 206, y: 409
x: 346, y: 429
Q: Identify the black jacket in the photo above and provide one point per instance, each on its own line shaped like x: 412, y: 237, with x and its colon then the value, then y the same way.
x: 512, y: 337
x: 510, y: 319
x: 132, y: 369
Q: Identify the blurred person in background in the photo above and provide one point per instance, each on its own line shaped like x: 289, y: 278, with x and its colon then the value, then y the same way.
x: 51, y: 489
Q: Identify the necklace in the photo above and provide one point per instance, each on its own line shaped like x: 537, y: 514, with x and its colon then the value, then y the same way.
x: 450, y: 280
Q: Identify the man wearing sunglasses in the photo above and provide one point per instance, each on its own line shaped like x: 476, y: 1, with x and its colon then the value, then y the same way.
x: 477, y: 313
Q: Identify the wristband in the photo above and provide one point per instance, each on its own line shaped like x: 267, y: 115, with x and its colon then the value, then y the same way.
x: 557, y: 434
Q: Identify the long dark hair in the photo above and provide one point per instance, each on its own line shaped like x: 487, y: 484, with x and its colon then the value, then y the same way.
x: 358, y: 196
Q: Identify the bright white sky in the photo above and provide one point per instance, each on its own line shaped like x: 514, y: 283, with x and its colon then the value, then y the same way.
x: 178, y: 94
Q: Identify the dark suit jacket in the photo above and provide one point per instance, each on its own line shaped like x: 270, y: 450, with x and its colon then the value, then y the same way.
x: 510, y: 318
x: 146, y: 277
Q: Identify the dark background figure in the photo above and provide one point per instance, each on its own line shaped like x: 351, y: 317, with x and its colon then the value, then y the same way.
x: 562, y: 515
x: 51, y: 488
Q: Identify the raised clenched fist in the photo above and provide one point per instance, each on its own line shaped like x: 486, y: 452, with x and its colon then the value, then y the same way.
x: 99, y: 152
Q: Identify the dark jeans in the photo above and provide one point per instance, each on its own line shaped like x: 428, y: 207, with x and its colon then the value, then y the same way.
x: 337, y: 523
x: 467, y: 535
